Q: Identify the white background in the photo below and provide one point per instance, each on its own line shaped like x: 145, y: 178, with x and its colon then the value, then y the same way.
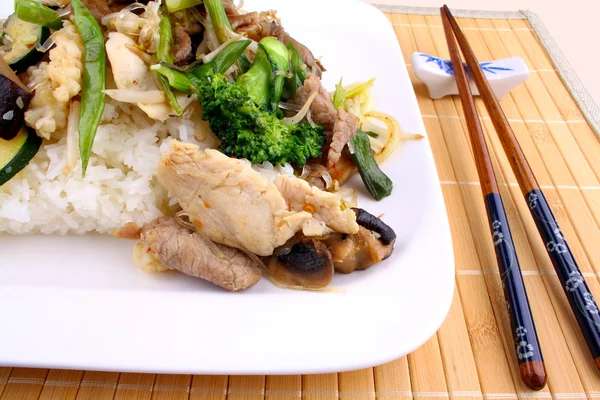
x: 574, y: 25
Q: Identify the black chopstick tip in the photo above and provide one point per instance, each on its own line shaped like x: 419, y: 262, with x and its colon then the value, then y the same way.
x: 533, y: 374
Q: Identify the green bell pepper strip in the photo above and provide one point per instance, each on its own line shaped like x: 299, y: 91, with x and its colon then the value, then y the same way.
x: 94, y: 79
x: 376, y: 182
x: 163, y: 52
x: 37, y: 13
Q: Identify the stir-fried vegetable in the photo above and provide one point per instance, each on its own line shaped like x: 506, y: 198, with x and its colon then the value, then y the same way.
x: 339, y: 96
x: 37, y: 13
x: 94, y: 79
x: 176, y: 79
x: 248, y: 131
x: 219, y: 64
x: 178, y: 5
x: 376, y: 182
x: 359, y: 89
x: 297, y: 73
x: 222, y: 61
x: 219, y: 20
x: 163, y: 52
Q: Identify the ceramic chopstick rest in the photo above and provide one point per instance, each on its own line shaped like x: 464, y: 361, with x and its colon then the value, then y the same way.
x: 438, y: 75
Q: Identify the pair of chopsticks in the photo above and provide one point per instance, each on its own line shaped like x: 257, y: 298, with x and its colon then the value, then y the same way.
x: 583, y: 305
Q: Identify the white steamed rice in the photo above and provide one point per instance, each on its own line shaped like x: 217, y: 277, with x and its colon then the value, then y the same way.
x: 119, y: 186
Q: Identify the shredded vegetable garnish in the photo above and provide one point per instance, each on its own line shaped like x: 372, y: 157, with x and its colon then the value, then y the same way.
x: 303, y: 111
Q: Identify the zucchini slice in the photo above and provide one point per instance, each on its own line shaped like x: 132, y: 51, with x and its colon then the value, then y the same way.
x: 20, y: 43
x: 16, y: 153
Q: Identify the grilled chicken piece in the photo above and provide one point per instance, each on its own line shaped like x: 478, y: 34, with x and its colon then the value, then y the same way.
x: 324, y: 206
x: 177, y: 248
x: 232, y: 204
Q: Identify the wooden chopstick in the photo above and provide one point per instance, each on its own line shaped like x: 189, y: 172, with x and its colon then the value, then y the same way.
x: 580, y: 298
x: 529, y: 352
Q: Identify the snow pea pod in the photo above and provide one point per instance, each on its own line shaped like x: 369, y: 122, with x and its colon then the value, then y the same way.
x: 94, y: 79
x: 163, y: 52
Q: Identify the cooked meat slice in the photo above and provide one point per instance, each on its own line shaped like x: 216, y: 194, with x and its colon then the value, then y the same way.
x: 343, y: 131
x: 344, y: 168
x: 130, y: 230
x: 179, y: 249
x: 238, y: 21
x: 266, y: 24
x: 98, y: 8
x: 182, y: 46
x: 324, y: 206
x: 322, y: 111
x: 231, y: 203
x: 361, y: 250
x: 229, y: 6
x: 307, y: 56
x: 315, y: 179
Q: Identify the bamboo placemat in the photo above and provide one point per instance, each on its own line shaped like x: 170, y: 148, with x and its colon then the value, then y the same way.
x: 471, y: 356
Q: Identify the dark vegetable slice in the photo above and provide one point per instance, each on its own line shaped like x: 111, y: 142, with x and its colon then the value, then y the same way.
x: 25, y: 38
x: 306, y: 263
x: 15, y: 154
x: 376, y: 182
x: 14, y: 100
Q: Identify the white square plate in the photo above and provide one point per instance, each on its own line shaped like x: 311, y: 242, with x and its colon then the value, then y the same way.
x: 79, y: 301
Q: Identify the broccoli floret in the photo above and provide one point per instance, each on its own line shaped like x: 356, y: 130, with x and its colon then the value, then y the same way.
x: 247, y: 131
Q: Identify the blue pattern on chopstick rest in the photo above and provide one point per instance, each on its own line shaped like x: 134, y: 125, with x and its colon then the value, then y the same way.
x: 438, y: 74
x: 527, y: 347
x: 447, y: 67
x: 567, y: 270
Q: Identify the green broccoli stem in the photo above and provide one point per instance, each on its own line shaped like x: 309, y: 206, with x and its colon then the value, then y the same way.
x: 376, y: 182
x: 218, y: 17
x: 257, y: 80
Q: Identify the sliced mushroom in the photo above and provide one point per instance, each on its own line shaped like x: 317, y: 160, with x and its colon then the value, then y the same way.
x: 363, y: 249
x: 372, y: 223
x: 306, y: 263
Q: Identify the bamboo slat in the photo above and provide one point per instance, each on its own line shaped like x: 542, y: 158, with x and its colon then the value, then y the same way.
x: 135, y: 387
x: 61, y: 385
x: 472, y: 356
